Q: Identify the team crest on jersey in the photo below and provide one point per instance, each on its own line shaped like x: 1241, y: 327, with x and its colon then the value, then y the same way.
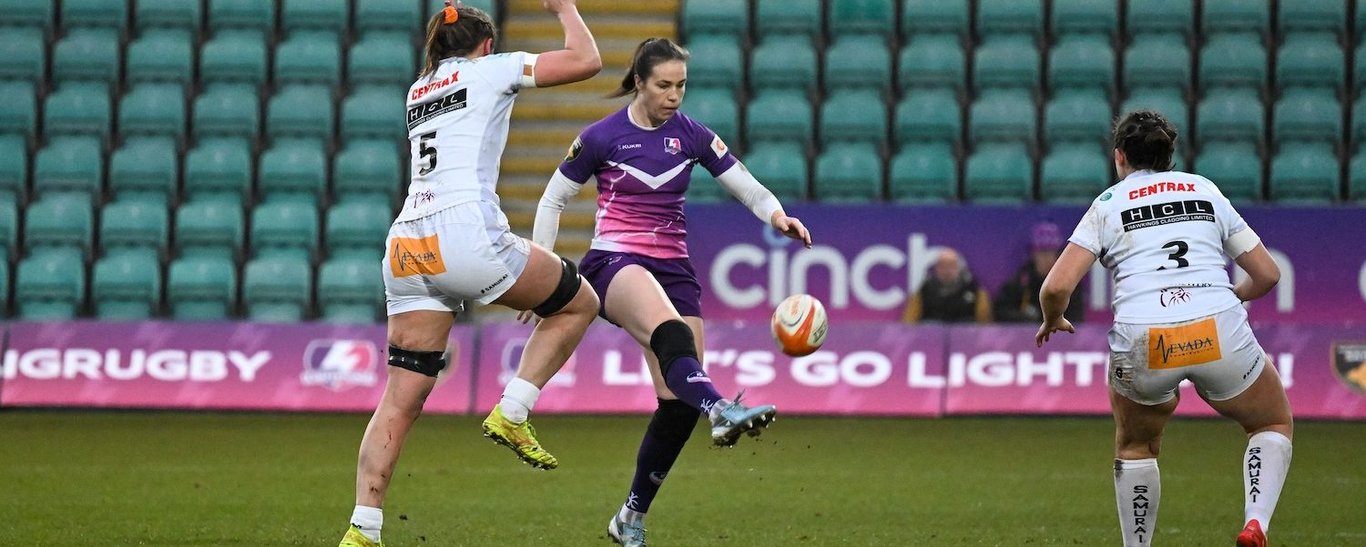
x: 1349, y: 362
x: 574, y: 150
x: 340, y: 364
x: 672, y: 145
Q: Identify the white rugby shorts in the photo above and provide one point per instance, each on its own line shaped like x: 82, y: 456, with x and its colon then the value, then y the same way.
x: 463, y: 252
x: 1218, y: 353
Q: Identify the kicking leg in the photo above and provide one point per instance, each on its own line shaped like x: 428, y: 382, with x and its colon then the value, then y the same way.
x: 1264, y: 412
x: 1138, y: 484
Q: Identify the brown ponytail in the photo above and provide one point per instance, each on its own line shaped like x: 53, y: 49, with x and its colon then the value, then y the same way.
x: 1147, y: 139
x: 455, y: 31
x: 649, y: 53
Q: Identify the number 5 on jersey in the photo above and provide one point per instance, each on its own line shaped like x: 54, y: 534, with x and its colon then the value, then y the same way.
x: 428, y: 153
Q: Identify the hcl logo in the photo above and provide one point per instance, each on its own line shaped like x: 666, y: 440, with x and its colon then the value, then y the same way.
x: 340, y: 364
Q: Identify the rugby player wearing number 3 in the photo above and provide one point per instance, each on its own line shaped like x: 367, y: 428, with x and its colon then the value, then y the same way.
x: 1164, y: 236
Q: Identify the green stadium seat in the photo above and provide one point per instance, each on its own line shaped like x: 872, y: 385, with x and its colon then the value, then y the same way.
x: 935, y: 17
x: 201, y: 288
x: 146, y: 169
x: 87, y: 54
x: 1235, y: 167
x: 998, y: 173
x: 1006, y: 61
x: 300, y: 111
x: 1317, y: 16
x: 78, y: 108
x: 350, y: 290
x: 717, y: 62
x: 1304, y: 173
x: 936, y: 60
x: 384, y: 58
x: 1085, y: 17
x: 293, y: 170
x: 388, y: 15
x: 1359, y: 70
x: 858, y: 62
x: 13, y: 169
x: 1358, y: 135
x: 126, y: 287
x: 1082, y: 61
x: 1079, y: 116
x: 1360, y: 22
x: 19, y: 110
x: 161, y: 55
x: 1230, y: 114
x: 174, y: 14
x: 1161, y: 17
x: 69, y: 165
x: 59, y: 222
x: 256, y: 15
x: 781, y: 167
x: 1236, y: 16
x: 1167, y: 101
x: 284, y: 228
x: 134, y: 225
x: 9, y: 234
x: 373, y: 112
x: 1074, y: 173
x: 209, y: 228
x: 233, y: 56
x: 308, y: 57
x: 726, y: 17
x: 328, y: 15
x: 1310, y: 60
x: 277, y: 289
x: 855, y: 115
x: 780, y: 116
x: 715, y: 108
x: 703, y: 188
x: 95, y: 14
x: 924, y: 173
x: 358, y: 228
x: 219, y: 169
x: 367, y: 170
x: 27, y: 13
x: 153, y: 109
x: 996, y: 17
x: 1233, y: 60
x: 787, y: 17
x: 1307, y: 115
x: 848, y: 173
x: 929, y: 115
x: 49, y: 287
x: 1157, y: 61
x: 1002, y: 115
x: 23, y: 55
x: 1356, y: 179
x: 231, y: 110
x: 783, y: 62
x: 869, y: 18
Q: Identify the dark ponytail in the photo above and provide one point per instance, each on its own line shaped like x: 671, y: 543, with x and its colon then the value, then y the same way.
x: 455, y: 32
x: 649, y: 53
x: 1147, y: 139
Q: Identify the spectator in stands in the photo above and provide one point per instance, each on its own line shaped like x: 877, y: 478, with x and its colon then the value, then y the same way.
x: 950, y: 294
x: 1018, y: 299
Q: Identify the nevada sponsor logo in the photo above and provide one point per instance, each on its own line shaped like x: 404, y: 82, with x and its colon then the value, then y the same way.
x: 1183, y: 345
x: 1349, y: 364
x: 340, y: 364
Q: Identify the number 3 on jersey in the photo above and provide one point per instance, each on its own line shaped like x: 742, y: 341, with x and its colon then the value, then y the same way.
x: 1177, y: 255
x: 428, y: 153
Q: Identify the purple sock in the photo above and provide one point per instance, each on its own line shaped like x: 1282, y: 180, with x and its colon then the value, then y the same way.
x: 669, y: 429
x: 691, y: 384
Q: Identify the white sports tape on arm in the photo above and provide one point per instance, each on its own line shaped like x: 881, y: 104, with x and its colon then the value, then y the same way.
x: 1241, y: 242
x: 529, y: 70
x: 740, y: 183
x: 557, y: 194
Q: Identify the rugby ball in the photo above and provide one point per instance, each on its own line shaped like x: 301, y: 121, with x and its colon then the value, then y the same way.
x: 799, y: 325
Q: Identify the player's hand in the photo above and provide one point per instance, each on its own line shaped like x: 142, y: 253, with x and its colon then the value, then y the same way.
x: 1050, y: 327
x: 527, y: 315
x: 556, y: 6
x: 791, y: 227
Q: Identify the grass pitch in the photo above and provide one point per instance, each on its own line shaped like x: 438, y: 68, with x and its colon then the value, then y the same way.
x: 153, y: 478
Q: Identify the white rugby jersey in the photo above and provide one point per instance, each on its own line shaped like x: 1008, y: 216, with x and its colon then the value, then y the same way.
x: 457, y: 129
x: 1162, y: 235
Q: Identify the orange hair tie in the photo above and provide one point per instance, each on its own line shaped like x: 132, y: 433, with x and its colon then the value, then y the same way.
x: 452, y: 15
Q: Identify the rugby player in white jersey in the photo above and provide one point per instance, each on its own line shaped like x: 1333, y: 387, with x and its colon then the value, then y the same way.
x: 451, y: 242
x: 1165, y: 236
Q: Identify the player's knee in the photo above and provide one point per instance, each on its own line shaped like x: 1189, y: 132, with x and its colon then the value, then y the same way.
x: 670, y: 341
x: 674, y: 420
x: 569, y: 286
x: 1136, y: 449
x: 428, y: 363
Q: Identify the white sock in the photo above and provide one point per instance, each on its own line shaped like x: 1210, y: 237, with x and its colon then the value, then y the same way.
x: 518, y: 399
x: 369, y: 520
x: 628, y: 515
x: 1138, y: 486
x: 1265, y: 464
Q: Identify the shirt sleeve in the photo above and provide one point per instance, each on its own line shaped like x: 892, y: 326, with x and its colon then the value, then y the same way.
x: 711, y: 152
x: 516, y: 69
x: 1088, y: 232
x: 582, y: 159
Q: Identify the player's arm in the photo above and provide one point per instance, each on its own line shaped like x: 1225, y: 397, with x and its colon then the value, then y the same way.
x: 739, y: 182
x: 557, y: 194
x: 1057, y: 289
x: 579, y: 60
x: 1262, y: 271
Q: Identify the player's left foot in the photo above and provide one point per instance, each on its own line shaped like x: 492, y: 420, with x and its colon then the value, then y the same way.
x: 626, y: 533
x: 354, y: 538
x: 730, y: 418
x: 521, y: 438
x: 1252, y: 535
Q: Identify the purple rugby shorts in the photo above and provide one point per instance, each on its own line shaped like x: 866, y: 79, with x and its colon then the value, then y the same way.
x: 675, y: 275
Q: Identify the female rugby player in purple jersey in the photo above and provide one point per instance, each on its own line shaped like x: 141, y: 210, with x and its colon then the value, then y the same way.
x: 642, y: 157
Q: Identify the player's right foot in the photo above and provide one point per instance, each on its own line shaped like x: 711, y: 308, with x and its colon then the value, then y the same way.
x: 730, y: 418
x: 1252, y: 535
x: 626, y: 533
x: 521, y: 438
x: 354, y: 538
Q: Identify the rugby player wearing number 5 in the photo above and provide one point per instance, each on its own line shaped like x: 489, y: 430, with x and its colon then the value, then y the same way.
x: 1164, y: 236
x: 451, y: 242
x: 642, y: 157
